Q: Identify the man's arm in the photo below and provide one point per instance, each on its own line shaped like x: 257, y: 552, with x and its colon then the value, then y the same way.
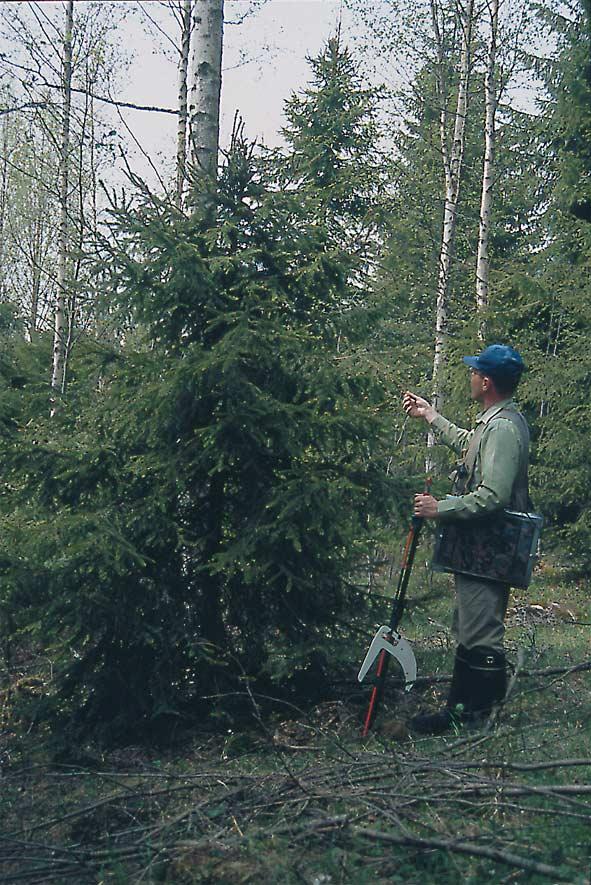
x: 426, y: 506
x: 457, y: 438
x: 453, y: 436
x: 500, y: 457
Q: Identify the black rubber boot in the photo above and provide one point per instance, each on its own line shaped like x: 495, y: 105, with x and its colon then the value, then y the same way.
x: 487, y: 680
x: 458, y: 701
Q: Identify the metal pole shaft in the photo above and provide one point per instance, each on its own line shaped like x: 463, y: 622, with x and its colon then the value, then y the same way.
x: 408, y: 556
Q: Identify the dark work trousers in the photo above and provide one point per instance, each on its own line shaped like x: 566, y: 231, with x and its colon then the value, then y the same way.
x: 479, y: 613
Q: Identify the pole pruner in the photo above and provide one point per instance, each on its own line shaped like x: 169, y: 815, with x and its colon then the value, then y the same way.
x: 388, y: 642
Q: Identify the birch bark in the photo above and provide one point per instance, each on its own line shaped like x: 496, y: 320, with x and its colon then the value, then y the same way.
x: 452, y: 157
x: 181, y: 153
x: 3, y: 201
x: 205, y: 79
x: 36, y: 262
x: 59, y: 343
x: 490, y: 100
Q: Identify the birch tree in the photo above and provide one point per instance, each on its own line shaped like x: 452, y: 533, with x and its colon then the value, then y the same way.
x: 199, y: 72
x: 172, y: 33
x: 55, y: 70
x: 490, y: 105
x: 452, y: 159
x: 29, y: 242
x: 4, y: 178
x: 181, y: 154
x: 205, y: 81
x: 59, y: 342
x: 430, y: 51
x: 507, y: 36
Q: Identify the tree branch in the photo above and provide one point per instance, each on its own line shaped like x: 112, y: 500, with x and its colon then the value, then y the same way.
x: 496, y: 854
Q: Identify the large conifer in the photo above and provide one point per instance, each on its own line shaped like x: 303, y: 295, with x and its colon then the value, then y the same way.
x: 202, y: 512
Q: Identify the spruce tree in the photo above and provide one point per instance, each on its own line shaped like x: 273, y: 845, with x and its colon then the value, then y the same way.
x: 336, y: 151
x: 562, y: 363
x: 201, y: 504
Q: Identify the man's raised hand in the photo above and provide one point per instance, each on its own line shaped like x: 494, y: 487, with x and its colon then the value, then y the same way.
x: 417, y: 407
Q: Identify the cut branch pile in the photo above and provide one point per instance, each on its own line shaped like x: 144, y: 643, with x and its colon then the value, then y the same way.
x: 232, y: 818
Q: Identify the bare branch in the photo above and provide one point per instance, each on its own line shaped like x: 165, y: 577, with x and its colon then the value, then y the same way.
x: 23, y: 107
x: 158, y: 27
x: 458, y: 847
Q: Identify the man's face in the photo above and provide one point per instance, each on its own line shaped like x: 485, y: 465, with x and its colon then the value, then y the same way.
x: 479, y: 384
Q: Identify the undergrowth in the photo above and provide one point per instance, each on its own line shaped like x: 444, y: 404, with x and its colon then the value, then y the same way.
x: 293, y: 794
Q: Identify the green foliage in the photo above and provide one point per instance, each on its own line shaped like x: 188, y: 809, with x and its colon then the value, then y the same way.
x: 198, y: 510
x: 334, y: 139
x: 540, y: 751
x: 202, y: 507
x: 540, y: 252
x: 552, y: 305
x: 407, y: 281
x: 571, y: 90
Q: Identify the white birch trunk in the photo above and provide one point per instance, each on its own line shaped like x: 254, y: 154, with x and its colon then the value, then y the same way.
x: 205, y: 79
x: 452, y: 158
x: 36, y: 278
x: 490, y: 100
x: 181, y: 152
x: 3, y: 201
x: 59, y: 343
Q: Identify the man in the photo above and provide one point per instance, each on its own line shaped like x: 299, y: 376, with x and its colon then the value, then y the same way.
x: 492, y: 475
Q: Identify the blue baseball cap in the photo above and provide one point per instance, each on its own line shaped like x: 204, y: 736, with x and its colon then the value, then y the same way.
x: 497, y: 361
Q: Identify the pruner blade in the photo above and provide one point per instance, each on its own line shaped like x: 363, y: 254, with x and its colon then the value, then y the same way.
x: 394, y: 644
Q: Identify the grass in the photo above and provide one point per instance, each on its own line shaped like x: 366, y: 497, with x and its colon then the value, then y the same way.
x: 299, y: 797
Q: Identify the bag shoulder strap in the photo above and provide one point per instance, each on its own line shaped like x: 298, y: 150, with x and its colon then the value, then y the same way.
x: 471, y: 456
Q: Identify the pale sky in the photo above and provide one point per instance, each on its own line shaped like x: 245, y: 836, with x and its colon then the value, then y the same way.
x: 276, y: 40
x: 264, y: 63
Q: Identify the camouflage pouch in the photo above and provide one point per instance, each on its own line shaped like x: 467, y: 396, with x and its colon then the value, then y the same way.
x: 501, y: 547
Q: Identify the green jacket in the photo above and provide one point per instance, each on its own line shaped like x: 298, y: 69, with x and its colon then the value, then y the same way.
x: 496, y: 462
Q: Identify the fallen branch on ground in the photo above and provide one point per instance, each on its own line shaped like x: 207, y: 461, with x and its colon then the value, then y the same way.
x: 457, y: 847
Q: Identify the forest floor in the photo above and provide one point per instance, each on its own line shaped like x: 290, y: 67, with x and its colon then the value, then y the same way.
x: 300, y: 797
